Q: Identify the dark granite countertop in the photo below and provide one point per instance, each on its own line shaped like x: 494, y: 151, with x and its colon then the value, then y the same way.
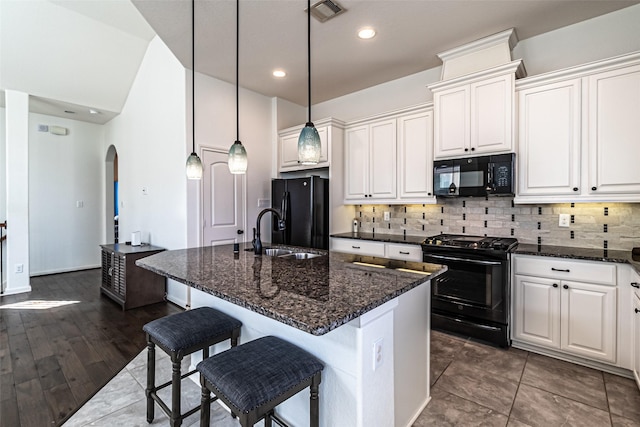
x: 315, y: 295
x: 604, y: 255
x: 379, y: 237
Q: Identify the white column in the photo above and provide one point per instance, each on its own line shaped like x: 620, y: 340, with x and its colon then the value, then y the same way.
x: 17, y: 140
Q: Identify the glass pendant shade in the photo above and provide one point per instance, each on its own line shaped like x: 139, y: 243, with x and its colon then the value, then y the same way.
x: 237, y: 158
x: 309, y: 145
x: 194, y: 167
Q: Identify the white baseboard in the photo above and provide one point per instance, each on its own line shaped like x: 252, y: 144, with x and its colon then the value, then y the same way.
x: 64, y: 270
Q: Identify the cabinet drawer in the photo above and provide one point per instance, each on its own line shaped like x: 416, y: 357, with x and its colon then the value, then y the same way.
x: 355, y: 246
x: 404, y: 252
x: 558, y: 268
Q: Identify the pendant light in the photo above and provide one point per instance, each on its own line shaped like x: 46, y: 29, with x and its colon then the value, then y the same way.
x: 237, y: 154
x: 309, y: 140
x: 194, y: 165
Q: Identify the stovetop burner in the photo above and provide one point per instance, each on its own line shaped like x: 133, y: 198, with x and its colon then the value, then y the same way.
x: 505, y: 244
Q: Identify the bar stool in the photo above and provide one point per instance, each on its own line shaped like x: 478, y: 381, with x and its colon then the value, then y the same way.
x: 179, y: 335
x: 253, y: 378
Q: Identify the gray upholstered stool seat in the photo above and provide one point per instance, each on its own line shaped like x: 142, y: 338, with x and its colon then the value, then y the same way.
x: 180, y: 335
x: 253, y: 378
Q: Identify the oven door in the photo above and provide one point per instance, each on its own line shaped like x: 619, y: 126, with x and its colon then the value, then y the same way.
x: 461, y: 177
x: 470, y: 287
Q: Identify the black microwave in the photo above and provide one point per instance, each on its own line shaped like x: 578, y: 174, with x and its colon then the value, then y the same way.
x: 475, y: 176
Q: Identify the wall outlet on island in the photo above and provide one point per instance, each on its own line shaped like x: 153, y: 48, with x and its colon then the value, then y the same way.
x: 377, y: 353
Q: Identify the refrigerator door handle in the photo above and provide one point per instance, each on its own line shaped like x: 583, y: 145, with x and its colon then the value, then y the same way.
x: 285, y: 206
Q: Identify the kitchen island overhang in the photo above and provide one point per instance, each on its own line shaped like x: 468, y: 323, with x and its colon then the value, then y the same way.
x: 366, y: 318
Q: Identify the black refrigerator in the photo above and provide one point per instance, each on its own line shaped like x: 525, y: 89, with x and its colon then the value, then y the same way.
x: 304, y: 204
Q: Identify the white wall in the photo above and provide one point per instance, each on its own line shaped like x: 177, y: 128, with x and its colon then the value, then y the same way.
x: 3, y: 190
x: 149, y: 136
x: 64, y: 171
x: 602, y: 37
x: 216, y: 128
x: 598, y: 38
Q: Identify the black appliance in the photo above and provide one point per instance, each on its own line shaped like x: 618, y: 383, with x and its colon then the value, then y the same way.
x: 475, y: 176
x: 304, y: 204
x: 472, y: 297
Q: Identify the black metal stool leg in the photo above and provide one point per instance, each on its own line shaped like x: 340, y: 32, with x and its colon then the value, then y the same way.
x: 151, y: 378
x: 175, y: 421
x: 205, y: 405
x: 314, y: 410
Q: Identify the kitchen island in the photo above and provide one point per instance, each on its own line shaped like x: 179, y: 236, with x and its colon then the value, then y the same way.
x: 366, y: 318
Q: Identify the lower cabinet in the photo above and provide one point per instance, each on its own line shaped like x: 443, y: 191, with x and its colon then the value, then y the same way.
x: 636, y: 338
x: 566, y: 315
x: 399, y: 251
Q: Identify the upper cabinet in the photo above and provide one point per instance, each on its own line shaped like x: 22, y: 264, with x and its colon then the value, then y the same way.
x: 388, y: 158
x: 288, y: 145
x: 578, y: 134
x: 474, y: 113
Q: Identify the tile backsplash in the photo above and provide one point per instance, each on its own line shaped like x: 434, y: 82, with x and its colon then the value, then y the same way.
x: 592, y: 225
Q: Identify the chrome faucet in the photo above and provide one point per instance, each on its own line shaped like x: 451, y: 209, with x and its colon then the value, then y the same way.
x: 257, y: 243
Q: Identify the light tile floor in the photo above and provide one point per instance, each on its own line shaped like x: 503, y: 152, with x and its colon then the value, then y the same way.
x: 472, y: 385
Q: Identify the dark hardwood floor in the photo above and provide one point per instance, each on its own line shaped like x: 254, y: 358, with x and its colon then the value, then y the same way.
x: 53, y: 359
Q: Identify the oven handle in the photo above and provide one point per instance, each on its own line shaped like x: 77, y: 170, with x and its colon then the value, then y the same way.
x: 470, y: 261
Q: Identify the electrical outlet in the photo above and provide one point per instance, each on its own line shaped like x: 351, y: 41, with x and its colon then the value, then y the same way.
x: 145, y: 192
x: 564, y: 220
x: 79, y: 204
x: 377, y: 353
x: 19, y: 268
x: 387, y: 216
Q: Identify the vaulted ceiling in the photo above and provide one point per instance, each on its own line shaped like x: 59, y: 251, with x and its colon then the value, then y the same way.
x: 80, y: 54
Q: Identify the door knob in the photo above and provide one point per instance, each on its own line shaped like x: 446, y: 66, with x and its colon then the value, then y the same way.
x: 240, y: 231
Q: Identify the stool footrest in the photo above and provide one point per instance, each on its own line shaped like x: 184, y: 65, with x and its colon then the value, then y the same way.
x: 168, y: 383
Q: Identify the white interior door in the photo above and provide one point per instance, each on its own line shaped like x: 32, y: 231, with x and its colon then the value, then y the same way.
x: 223, y: 201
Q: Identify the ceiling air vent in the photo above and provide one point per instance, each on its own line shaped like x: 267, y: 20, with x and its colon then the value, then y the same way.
x: 326, y: 9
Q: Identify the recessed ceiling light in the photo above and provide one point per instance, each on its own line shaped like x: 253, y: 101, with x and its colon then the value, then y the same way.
x: 92, y: 111
x: 366, y: 33
x: 279, y: 73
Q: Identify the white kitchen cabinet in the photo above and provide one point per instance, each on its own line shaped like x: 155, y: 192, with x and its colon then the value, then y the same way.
x: 473, y: 114
x: 370, y: 161
x: 566, y: 315
x: 549, y: 139
x: 636, y: 338
x: 399, y: 251
x: 578, y: 133
x: 415, y: 157
x: 329, y: 131
x: 614, y: 129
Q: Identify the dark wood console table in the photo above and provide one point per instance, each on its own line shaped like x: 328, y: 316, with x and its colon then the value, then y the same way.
x: 126, y: 283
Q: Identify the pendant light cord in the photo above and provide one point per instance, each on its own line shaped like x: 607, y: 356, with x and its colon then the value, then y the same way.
x: 193, y: 74
x: 237, y: 70
x: 309, y: 54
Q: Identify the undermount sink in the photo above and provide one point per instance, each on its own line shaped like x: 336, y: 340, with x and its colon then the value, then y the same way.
x: 277, y: 252
x: 287, y: 253
x: 300, y: 255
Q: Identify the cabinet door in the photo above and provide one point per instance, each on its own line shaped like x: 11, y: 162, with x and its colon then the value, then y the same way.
x: 589, y: 320
x: 537, y: 311
x: 614, y: 126
x: 636, y: 338
x: 415, y: 159
x: 491, y: 115
x: 452, y: 122
x: 356, y: 163
x: 549, y: 139
x: 382, y: 163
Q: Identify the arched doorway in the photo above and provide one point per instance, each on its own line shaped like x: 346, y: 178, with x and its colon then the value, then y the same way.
x: 111, y: 194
